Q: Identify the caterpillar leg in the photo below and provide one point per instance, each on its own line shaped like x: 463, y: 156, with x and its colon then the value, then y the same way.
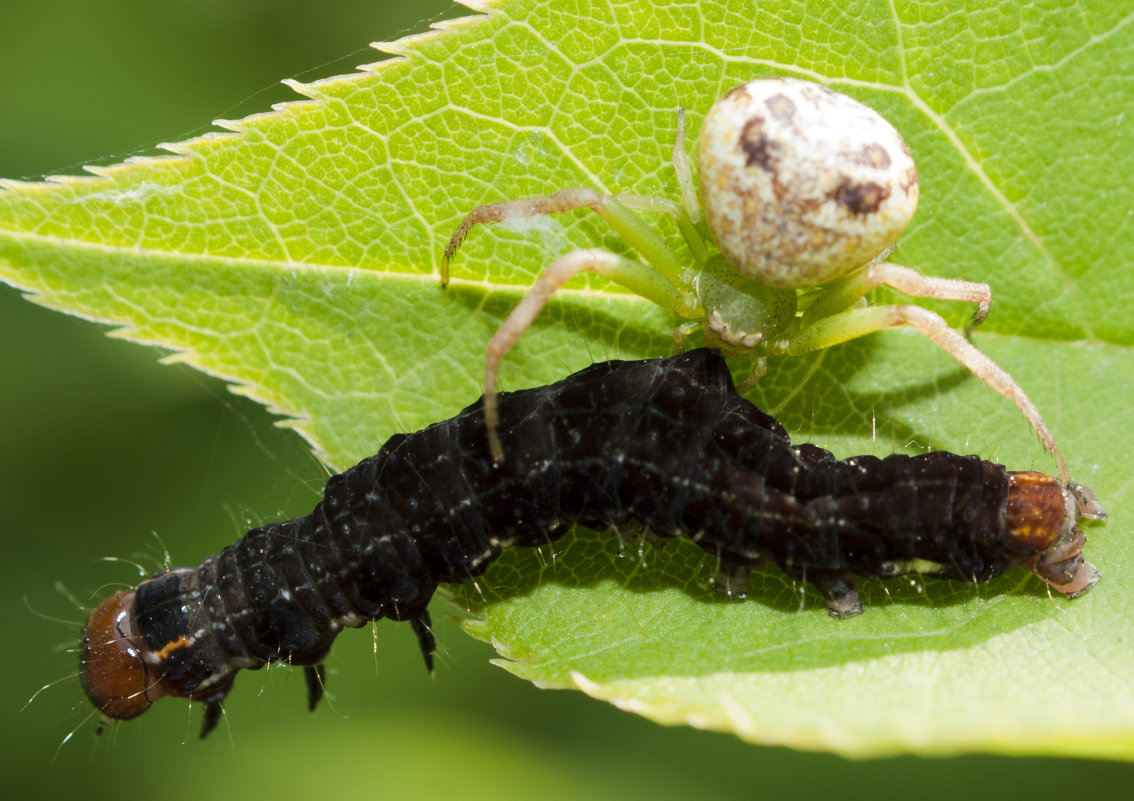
x: 732, y: 579
x: 841, y: 591
x: 211, y: 717
x: 316, y: 678
x: 423, y: 628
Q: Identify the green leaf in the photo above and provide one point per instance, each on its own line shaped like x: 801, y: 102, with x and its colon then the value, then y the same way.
x: 296, y: 256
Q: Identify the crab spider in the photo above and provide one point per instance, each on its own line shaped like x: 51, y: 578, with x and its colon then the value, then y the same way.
x: 803, y: 188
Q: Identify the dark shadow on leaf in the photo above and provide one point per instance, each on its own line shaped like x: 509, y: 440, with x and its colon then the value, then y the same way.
x: 779, y: 627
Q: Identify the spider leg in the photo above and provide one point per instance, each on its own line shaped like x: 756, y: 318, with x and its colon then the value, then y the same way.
x: 633, y: 275
x: 914, y: 284
x: 637, y: 233
x: 857, y: 322
x: 681, y: 166
x: 681, y: 332
x: 759, y: 370
x: 563, y: 200
x: 841, y: 294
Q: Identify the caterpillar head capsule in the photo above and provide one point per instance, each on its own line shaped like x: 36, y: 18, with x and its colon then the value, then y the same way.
x: 112, y: 665
x: 138, y: 647
x: 1041, y: 520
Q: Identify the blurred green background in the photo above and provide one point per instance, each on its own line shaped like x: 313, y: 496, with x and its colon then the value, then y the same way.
x: 100, y: 446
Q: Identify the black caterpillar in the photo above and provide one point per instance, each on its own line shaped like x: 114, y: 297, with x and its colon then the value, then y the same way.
x: 664, y: 443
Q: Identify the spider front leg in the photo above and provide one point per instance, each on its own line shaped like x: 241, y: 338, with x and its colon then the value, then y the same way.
x: 841, y: 294
x: 829, y: 321
x: 633, y: 275
x: 640, y: 236
x: 666, y: 281
x: 913, y: 283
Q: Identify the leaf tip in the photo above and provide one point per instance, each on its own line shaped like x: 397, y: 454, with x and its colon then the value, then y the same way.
x: 480, y: 6
x: 408, y: 45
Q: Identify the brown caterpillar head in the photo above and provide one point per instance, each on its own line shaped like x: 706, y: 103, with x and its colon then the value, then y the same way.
x: 1041, y: 520
x: 112, y: 666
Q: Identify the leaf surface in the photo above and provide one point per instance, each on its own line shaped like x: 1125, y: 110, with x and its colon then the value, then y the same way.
x: 296, y: 255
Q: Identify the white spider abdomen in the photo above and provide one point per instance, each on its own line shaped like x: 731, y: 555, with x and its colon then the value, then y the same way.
x: 800, y: 184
